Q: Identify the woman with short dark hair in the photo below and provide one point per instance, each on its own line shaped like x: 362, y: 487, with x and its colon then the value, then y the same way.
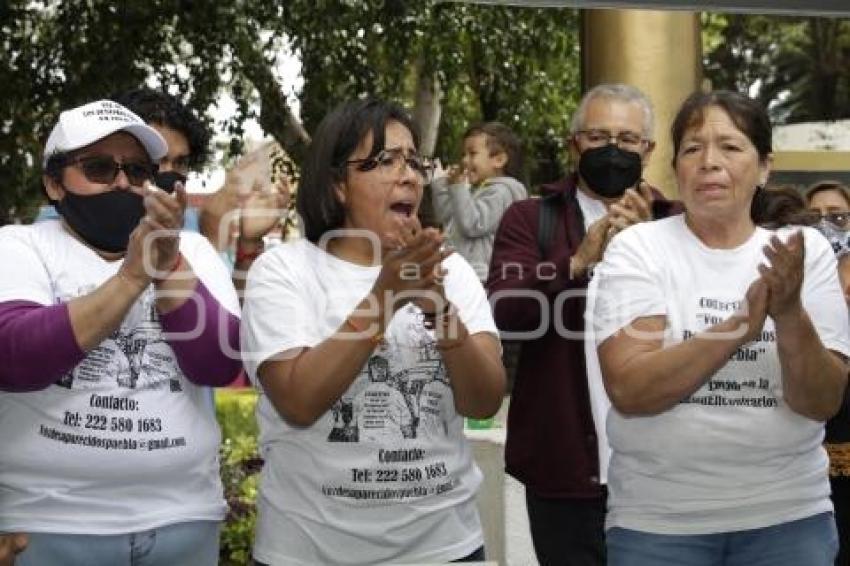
x: 722, y: 351
x: 369, y: 344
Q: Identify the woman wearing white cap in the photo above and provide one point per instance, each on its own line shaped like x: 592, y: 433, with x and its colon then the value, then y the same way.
x: 111, y: 324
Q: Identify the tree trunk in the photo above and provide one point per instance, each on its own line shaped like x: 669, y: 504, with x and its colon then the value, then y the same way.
x: 276, y: 117
x: 427, y: 109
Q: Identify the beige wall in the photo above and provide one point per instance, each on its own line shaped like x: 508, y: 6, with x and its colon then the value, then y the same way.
x: 822, y: 160
x: 657, y: 51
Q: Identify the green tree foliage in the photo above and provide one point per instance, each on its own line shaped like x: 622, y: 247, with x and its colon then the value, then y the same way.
x: 798, y: 66
x: 514, y: 64
x: 56, y: 54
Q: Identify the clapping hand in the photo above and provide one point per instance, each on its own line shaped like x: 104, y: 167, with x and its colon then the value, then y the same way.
x: 411, y: 270
x: 784, y: 275
x: 633, y: 207
x: 165, y: 217
x: 777, y: 291
x: 457, y: 175
x: 11, y: 544
x: 454, y: 174
x: 592, y: 246
x: 262, y: 209
x: 754, y: 311
x: 154, y: 244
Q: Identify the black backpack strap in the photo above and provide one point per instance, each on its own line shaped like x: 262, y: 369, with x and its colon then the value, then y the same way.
x: 547, y: 218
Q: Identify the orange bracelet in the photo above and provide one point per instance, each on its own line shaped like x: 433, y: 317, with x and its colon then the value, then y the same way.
x: 242, y: 256
x: 376, y: 339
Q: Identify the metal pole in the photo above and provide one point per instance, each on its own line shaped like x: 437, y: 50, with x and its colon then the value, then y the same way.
x: 657, y: 51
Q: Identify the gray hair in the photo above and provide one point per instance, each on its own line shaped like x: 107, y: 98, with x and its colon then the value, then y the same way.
x: 617, y: 91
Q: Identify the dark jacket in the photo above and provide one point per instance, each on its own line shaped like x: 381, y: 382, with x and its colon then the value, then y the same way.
x: 551, y: 440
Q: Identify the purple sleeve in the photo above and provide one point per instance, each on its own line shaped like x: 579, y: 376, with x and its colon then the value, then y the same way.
x: 37, y: 345
x: 201, y: 354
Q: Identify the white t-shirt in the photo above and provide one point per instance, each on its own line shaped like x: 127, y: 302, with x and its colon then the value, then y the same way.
x: 123, y: 442
x: 591, y: 209
x: 370, y: 481
x: 733, y: 455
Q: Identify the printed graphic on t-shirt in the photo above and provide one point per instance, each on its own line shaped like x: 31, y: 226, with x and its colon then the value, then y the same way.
x: 738, y: 383
x: 400, y: 400
x: 134, y: 358
x: 390, y: 400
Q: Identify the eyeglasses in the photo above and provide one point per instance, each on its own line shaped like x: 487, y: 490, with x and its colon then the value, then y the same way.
x: 391, y: 162
x: 837, y: 219
x: 623, y: 140
x: 104, y: 169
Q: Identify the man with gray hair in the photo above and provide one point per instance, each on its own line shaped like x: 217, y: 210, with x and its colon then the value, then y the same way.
x: 544, y: 248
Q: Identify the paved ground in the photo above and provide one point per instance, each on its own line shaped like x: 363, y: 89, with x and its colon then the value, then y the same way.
x: 519, y: 549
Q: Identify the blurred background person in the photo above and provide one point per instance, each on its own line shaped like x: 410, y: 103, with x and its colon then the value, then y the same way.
x: 469, y: 199
x: 830, y: 202
x: 187, y: 137
x: 250, y: 205
x: 544, y: 247
x: 260, y: 203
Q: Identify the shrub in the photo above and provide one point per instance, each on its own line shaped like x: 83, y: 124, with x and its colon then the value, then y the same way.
x: 240, y: 465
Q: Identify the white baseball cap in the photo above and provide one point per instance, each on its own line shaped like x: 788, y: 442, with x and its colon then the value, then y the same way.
x: 84, y: 125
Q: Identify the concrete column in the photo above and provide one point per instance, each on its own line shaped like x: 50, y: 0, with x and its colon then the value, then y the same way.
x: 657, y: 51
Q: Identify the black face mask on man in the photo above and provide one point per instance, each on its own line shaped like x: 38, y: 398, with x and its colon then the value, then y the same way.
x: 166, y: 180
x: 609, y: 170
x: 103, y: 220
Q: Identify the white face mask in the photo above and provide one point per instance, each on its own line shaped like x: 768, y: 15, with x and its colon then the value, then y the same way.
x: 839, y: 239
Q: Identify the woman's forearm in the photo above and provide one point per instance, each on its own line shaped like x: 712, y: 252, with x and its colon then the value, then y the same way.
x: 176, y: 287
x: 477, y: 375
x: 304, y: 386
x: 97, y: 315
x: 813, y: 378
x: 642, y: 378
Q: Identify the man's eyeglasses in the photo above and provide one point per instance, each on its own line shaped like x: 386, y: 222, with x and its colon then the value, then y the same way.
x: 624, y: 140
x: 104, y: 169
x: 837, y: 219
x: 391, y: 162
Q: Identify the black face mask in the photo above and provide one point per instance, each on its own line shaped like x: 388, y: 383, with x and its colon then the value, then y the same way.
x: 105, y: 220
x: 609, y: 170
x: 165, y: 180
